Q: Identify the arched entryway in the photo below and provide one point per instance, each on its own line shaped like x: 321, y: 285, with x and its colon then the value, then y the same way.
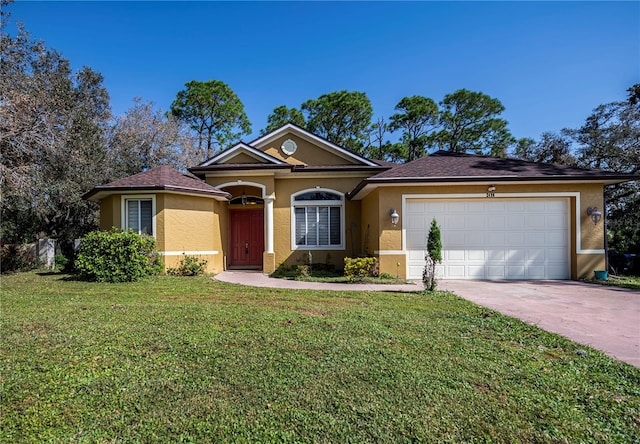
x: 246, y: 227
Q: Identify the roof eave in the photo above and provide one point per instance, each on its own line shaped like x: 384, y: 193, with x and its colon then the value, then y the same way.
x: 99, y: 193
x: 374, y: 182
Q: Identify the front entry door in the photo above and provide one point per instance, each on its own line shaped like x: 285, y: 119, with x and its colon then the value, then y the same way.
x: 246, y: 237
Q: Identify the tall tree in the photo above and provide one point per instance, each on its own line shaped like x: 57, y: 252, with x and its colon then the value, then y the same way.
x: 144, y: 137
x: 470, y: 122
x: 551, y: 148
x: 342, y: 117
x: 52, y: 133
x: 378, y: 147
x: 214, y: 112
x: 418, y: 118
x: 610, y: 139
x: 282, y: 115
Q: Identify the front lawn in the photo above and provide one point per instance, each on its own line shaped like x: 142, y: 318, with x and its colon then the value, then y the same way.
x: 193, y: 360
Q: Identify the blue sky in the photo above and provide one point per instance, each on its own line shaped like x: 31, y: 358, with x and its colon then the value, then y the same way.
x: 550, y: 63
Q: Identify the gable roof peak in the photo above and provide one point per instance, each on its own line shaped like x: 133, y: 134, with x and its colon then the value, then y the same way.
x: 311, y: 137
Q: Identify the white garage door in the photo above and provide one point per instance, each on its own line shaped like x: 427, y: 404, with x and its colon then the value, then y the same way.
x: 491, y: 238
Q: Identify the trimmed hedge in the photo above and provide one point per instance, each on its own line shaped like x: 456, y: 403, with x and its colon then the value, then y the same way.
x: 117, y: 256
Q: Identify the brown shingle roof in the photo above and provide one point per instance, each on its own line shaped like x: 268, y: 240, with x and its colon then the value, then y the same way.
x: 159, y: 178
x: 445, y: 164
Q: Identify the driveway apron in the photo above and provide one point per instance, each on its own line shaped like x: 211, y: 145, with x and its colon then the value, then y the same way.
x: 605, y: 318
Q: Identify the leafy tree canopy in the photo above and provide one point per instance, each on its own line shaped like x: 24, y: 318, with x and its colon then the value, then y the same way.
x: 282, y: 115
x: 417, y: 118
x: 342, y: 117
x: 469, y: 122
x: 53, y: 125
x: 551, y: 148
x: 214, y: 112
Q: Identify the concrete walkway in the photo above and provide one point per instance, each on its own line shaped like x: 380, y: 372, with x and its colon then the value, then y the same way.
x: 606, y: 318
x: 259, y: 279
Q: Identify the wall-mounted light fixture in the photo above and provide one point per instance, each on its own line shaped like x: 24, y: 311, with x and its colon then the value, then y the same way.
x: 491, y: 188
x: 594, y: 214
x: 244, y: 198
x: 395, y: 217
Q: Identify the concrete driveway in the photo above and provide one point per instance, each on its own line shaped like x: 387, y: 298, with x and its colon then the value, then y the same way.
x: 606, y: 318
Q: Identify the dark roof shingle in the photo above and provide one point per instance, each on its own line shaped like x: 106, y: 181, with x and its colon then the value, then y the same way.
x: 445, y: 164
x: 159, y: 178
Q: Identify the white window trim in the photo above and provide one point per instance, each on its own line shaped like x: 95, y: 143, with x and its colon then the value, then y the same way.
x: 318, y: 203
x: 123, y: 209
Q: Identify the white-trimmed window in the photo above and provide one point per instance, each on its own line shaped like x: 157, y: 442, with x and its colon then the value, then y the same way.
x: 138, y: 214
x: 318, y: 219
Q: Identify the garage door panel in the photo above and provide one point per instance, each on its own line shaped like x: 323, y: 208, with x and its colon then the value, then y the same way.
x: 516, y: 238
x: 557, y: 206
x: 454, y: 239
x: 476, y: 223
x: 496, y: 221
x: 515, y: 272
x: 491, y: 238
x: 455, y: 271
x: 536, y: 221
x: 556, y: 255
x: 454, y: 222
x: 475, y: 239
x: 456, y: 207
x: 535, y: 206
x: 556, y: 237
x: 416, y: 240
x: 495, y: 272
x: 515, y: 221
x: 535, y: 272
x: 557, y: 221
x: 495, y: 255
x: 516, y: 256
x: 536, y: 238
x: 419, y: 207
x: 416, y: 222
x: 496, y: 238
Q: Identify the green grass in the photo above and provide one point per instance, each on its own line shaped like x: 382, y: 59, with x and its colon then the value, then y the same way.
x: 632, y: 282
x: 192, y: 360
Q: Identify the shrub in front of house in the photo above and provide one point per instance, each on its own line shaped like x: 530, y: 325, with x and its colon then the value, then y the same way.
x: 117, y: 256
x: 188, y: 266
x: 357, y: 268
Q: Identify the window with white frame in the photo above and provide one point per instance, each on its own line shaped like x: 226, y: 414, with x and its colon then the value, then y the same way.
x: 139, y: 215
x: 318, y: 219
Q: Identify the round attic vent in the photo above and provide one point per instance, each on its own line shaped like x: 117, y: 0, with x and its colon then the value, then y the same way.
x: 288, y: 147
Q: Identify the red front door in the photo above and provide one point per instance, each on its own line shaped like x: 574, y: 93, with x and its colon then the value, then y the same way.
x: 246, y: 237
